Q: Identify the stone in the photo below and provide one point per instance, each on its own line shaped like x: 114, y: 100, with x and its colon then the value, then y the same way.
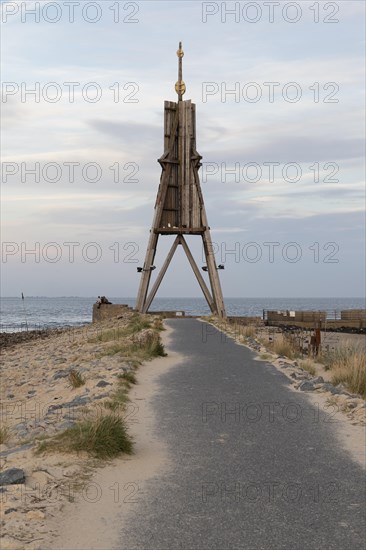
x: 318, y: 380
x: 12, y: 476
x: 76, y: 402
x: 307, y: 385
x: 327, y: 386
x: 101, y: 396
x: 103, y: 384
x: 61, y: 374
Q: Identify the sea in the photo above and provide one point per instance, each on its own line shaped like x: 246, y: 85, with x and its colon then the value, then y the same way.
x: 40, y: 313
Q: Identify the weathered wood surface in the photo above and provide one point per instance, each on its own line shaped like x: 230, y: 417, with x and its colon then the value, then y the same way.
x: 179, y: 207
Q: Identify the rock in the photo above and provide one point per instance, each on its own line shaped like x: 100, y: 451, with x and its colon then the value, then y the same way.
x: 60, y: 374
x: 327, y: 386
x: 10, y: 396
x: 317, y: 380
x: 76, y: 402
x: 307, y: 385
x: 103, y: 384
x: 297, y: 376
x: 10, y: 510
x: 101, y: 396
x: 12, y: 476
x: 35, y: 514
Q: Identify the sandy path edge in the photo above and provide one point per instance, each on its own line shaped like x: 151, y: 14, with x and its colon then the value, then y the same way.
x: 95, y: 520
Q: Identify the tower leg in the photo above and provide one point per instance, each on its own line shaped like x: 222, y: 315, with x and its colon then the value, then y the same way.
x: 159, y: 278
x: 146, y: 274
x: 213, y: 275
x: 199, y: 277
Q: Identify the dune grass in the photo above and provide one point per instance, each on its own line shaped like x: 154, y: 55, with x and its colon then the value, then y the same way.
x: 76, y: 379
x: 143, y: 351
x: 283, y: 346
x: 101, y: 437
x: 248, y: 331
x: 129, y: 377
x: 4, y: 434
x: 136, y: 324
x: 348, y: 366
x: 308, y: 365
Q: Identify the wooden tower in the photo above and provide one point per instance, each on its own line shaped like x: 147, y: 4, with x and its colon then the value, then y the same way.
x: 179, y: 207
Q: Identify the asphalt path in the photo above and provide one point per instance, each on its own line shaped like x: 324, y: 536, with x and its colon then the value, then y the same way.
x: 253, y: 464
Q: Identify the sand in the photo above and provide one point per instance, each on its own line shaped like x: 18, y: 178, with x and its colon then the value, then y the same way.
x: 99, y: 525
x: 37, y: 400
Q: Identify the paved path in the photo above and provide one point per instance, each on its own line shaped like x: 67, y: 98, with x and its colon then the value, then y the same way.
x: 253, y: 464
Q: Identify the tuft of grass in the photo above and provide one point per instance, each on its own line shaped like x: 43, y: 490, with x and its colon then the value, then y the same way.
x: 282, y: 346
x: 4, y: 434
x: 129, y: 377
x: 119, y: 397
x: 248, y: 331
x: 155, y: 348
x: 136, y: 324
x: 158, y: 324
x: 308, y: 365
x: 148, y: 350
x: 103, y: 437
x: 265, y: 356
x: 76, y: 379
x: 349, y: 367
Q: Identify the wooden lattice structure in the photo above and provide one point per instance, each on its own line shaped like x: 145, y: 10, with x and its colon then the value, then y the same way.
x: 179, y: 207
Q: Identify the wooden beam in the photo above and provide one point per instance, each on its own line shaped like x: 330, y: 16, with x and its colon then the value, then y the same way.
x: 159, y: 278
x: 197, y: 272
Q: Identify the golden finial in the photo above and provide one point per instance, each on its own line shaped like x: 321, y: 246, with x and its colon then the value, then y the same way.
x: 180, y: 86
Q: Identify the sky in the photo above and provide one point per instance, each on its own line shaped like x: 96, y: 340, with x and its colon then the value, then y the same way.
x: 279, y: 94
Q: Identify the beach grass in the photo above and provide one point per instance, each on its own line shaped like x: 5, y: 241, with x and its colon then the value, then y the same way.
x: 76, y: 379
x: 129, y: 377
x: 144, y: 350
x: 136, y: 324
x: 348, y: 366
x: 102, y: 437
x: 308, y: 365
x: 283, y: 346
x: 248, y: 331
x: 4, y: 434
